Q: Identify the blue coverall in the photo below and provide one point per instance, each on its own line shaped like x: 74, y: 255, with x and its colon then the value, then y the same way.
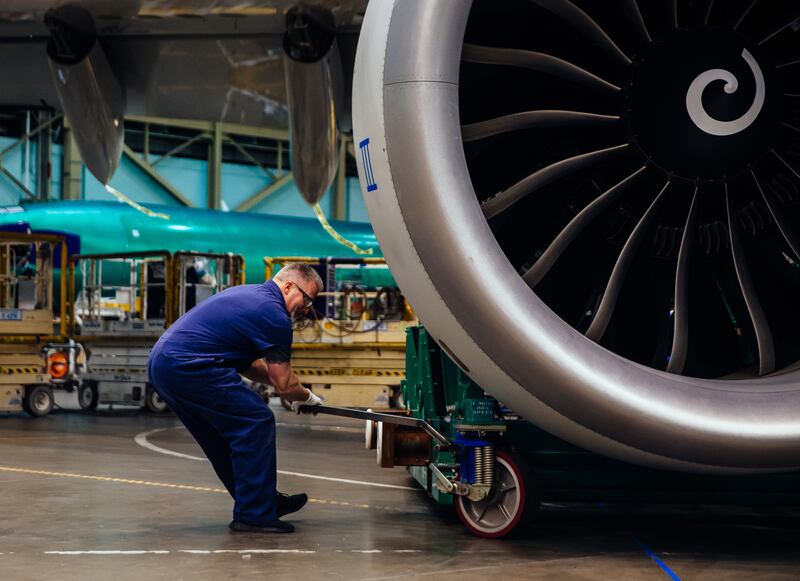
x: 195, y: 368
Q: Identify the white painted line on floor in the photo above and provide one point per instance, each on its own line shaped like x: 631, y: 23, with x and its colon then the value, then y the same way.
x: 127, y: 552
x: 346, y: 481
x: 266, y: 551
x: 130, y: 481
x: 142, y: 440
x: 105, y: 553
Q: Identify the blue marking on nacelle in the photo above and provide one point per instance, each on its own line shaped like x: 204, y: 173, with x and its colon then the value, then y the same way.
x: 366, y: 160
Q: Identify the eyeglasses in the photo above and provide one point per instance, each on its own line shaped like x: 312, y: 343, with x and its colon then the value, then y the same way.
x: 308, y: 302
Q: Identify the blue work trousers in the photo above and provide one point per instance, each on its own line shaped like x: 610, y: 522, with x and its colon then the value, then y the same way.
x: 232, y: 424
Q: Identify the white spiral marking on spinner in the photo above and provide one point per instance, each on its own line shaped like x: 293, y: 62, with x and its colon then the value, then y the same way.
x: 694, y: 99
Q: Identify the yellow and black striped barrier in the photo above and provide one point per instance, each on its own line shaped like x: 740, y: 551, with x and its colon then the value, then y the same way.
x: 22, y: 370
x: 354, y: 371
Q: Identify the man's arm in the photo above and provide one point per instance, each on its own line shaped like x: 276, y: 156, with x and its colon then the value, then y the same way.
x: 257, y: 371
x: 280, y: 376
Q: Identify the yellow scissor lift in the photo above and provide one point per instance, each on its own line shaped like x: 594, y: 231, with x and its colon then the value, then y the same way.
x: 32, y: 335
x: 119, y: 304
x: 351, y: 351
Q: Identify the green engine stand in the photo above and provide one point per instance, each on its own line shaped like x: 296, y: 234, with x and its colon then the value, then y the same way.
x: 534, y: 466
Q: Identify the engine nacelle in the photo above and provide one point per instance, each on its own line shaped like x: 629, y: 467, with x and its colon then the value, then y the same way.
x: 574, y: 237
x: 91, y: 96
x: 314, y: 91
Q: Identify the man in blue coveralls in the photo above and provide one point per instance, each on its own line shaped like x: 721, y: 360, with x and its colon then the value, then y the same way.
x: 196, y: 365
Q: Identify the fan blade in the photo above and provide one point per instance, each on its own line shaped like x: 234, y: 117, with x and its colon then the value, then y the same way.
x: 783, y: 225
x: 577, y: 18
x: 537, y: 272
x: 708, y: 11
x: 680, y: 337
x: 766, y: 348
x: 529, y: 119
x: 781, y: 28
x: 537, y: 61
x: 745, y: 13
x: 609, y: 301
x: 636, y: 17
x: 503, y: 200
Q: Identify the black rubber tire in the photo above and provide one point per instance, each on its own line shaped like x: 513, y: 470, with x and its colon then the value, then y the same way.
x: 38, y: 400
x: 153, y: 401
x: 88, y: 396
x: 525, y: 506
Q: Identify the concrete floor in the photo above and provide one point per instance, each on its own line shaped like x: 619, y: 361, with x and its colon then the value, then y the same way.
x: 126, y: 495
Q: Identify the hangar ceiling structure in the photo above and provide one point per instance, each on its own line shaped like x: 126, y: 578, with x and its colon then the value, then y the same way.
x: 225, y: 62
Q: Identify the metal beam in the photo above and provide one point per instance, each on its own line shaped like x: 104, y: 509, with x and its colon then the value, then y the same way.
x: 214, y: 198
x: 264, y: 193
x: 155, y: 176
x: 12, y: 178
x: 44, y: 148
x: 177, y: 149
x: 27, y: 136
x: 146, y: 152
x: 250, y: 158
x: 208, y: 126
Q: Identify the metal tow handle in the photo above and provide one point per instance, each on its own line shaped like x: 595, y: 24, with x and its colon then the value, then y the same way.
x: 386, y: 418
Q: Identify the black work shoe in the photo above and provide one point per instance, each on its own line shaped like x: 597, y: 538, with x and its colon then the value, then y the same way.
x: 288, y: 504
x: 273, y: 526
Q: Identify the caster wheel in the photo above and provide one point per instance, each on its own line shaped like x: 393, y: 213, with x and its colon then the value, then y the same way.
x: 508, y: 507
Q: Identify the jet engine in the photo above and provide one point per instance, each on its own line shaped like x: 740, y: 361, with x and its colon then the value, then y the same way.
x: 594, y: 207
x: 91, y: 95
x: 314, y: 90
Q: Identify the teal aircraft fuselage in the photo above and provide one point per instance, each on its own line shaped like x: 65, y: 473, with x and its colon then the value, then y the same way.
x: 105, y: 227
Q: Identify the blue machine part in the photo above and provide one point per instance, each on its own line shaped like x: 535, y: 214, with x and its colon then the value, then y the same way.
x: 467, y: 446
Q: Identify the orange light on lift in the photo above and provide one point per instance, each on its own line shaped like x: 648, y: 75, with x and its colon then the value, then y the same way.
x: 57, y: 365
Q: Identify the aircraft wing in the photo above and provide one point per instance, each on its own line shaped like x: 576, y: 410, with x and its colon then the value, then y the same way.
x: 215, y: 60
x: 212, y: 60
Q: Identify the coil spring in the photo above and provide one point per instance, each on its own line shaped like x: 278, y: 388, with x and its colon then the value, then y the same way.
x: 484, y: 461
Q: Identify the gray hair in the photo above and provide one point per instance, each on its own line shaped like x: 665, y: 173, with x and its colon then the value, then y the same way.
x: 300, y: 272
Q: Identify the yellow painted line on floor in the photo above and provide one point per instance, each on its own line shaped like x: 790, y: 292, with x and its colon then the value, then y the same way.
x: 131, y: 481
x: 110, y: 479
